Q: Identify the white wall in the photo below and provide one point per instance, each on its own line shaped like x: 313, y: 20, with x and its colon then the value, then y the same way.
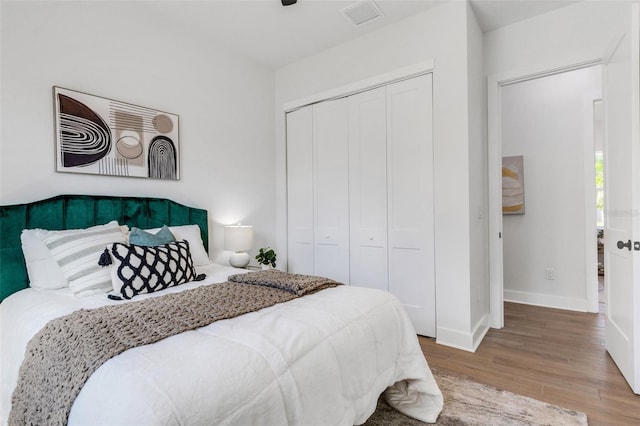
x: 478, y: 197
x: 439, y: 34
x: 121, y: 51
x: 546, y: 121
x: 569, y: 35
x: 576, y: 34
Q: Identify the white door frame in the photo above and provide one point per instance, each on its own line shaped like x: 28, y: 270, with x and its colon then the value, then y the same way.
x: 494, y: 85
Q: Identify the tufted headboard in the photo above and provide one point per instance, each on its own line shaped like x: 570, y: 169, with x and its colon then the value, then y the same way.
x: 82, y: 211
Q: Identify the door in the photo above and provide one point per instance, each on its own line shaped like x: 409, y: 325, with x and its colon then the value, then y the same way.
x: 621, y: 87
x: 410, y: 195
x: 300, y: 191
x: 331, y: 203
x: 368, y: 189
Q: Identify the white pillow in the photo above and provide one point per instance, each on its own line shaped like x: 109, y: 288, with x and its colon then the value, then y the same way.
x: 192, y: 234
x: 77, y: 253
x: 43, y: 270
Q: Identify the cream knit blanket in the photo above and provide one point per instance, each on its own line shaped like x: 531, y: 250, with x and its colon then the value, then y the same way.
x: 60, y: 358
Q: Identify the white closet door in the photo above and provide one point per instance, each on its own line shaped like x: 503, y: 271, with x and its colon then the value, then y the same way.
x: 368, y: 189
x: 331, y: 165
x: 410, y: 186
x: 300, y: 190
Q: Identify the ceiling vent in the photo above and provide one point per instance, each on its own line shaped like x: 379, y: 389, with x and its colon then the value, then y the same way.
x: 361, y: 12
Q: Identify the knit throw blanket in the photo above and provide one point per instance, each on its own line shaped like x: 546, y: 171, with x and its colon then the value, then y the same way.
x: 297, y: 284
x: 60, y: 358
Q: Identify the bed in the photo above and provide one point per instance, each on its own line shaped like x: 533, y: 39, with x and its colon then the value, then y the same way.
x: 323, y: 358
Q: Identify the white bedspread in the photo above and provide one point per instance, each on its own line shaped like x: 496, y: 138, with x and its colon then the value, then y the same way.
x: 318, y: 360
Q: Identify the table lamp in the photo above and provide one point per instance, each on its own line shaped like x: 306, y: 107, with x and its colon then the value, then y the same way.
x: 238, y: 239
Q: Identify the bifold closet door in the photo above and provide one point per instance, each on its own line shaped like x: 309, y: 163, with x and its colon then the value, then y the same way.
x: 300, y: 190
x: 331, y: 189
x: 410, y: 195
x: 368, y: 189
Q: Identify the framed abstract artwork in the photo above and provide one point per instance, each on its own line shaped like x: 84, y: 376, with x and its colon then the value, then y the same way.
x: 102, y: 136
x: 513, y: 185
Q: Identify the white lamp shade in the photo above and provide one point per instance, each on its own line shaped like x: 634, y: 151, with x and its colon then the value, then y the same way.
x: 238, y: 238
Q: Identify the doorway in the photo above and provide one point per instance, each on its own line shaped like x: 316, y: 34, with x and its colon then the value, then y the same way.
x: 550, y: 248
x: 621, y: 80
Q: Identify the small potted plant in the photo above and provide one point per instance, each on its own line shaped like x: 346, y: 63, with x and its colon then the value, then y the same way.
x: 266, y: 257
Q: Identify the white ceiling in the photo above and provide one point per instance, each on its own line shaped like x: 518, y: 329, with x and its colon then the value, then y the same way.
x: 274, y: 35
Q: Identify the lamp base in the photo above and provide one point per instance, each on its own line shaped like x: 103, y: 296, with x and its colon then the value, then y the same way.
x: 239, y: 259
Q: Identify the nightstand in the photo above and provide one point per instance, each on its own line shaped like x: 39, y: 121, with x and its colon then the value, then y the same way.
x: 253, y: 268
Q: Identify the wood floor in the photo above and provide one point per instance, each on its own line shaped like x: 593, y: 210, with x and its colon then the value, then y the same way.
x: 551, y: 355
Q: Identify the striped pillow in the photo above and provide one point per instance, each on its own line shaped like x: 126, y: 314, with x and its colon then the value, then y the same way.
x: 77, y: 253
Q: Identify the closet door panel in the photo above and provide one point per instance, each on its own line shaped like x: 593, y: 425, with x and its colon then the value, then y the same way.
x: 331, y: 165
x: 300, y: 191
x: 410, y: 208
x: 368, y: 189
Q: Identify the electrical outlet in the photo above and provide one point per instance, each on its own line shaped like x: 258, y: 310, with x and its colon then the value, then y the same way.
x: 549, y: 274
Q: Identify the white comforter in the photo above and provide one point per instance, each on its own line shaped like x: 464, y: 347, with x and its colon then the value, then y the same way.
x: 318, y: 360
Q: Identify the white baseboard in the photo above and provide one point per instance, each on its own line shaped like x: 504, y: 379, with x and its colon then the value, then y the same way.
x: 467, y: 341
x: 480, y: 330
x: 546, y: 300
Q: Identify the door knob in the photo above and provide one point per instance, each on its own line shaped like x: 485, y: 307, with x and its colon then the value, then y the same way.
x: 622, y: 244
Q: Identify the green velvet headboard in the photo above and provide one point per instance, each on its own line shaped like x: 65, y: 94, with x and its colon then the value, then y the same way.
x: 82, y: 211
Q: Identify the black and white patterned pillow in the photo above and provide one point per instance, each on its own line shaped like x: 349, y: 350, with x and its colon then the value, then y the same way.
x: 139, y: 269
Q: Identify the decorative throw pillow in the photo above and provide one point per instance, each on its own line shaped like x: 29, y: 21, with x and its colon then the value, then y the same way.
x: 192, y: 234
x: 140, y: 269
x: 77, y: 253
x: 42, y: 268
x: 140, y: 237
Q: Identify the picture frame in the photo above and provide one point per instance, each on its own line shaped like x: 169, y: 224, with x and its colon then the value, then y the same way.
x: 101, y: 136
x: 513, y: 185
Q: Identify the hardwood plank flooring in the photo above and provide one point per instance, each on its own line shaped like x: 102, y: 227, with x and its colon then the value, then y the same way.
x: 551, y: 355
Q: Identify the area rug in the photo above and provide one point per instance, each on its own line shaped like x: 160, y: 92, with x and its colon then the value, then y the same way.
x: 471, y: 403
